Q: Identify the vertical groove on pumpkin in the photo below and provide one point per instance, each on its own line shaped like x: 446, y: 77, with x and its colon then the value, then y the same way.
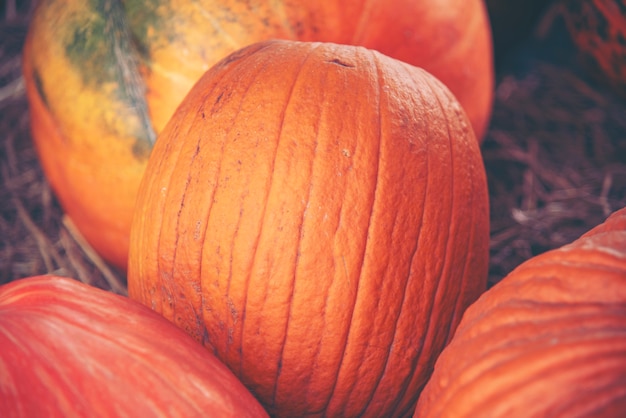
x: 420, y: 377
x: 207, y: 278
x: 416, y: 359
x: 407, y: 278
x: 469, y: 165
x: 230, y: 278
x: 181, y: 165
x: 466, y: 256
x: 164, y: 247
x: 310, y: 175
x: 270, y: 190
x: 445, y: 274
x: 347, y: 341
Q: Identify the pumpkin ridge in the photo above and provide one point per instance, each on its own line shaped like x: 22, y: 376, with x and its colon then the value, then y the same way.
x: 408, y: 381
x: 302, y: 224
x: 436, y: 298
x: 452, y: 324
x: 339, y: 265
x: 269, y: 191
x: 165, y: 279
x: 315, y: 186
x: 405, y: 385
x: 196, y: 306
x: 357, y: 299
x: 533, y: 361
x: 216, y: 178
x: 178, y: 236
x: 147, y: 180
x: 311, y: 52
x: 503, y: 354
x: 219, y: 168
x: 558, y: 313
x: 459, y: 309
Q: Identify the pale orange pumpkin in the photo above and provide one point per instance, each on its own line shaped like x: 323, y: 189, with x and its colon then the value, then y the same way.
x: 72, y: 350
x: 104, y: 77
x: 549, y: 340
x: 317, y: 215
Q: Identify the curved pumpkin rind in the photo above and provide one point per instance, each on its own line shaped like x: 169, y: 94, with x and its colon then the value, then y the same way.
x: 306, y: 214
x: 69, y: 349
x: 89, y: 121
x: 548, y: 340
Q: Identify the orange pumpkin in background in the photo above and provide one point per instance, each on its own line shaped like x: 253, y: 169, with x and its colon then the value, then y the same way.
x: 104, y: 77
x: 71, y: 350
x: 549, y: 340
x: 317, y: 215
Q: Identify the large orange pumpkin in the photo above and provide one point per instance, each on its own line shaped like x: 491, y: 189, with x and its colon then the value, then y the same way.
x: 103, y: 77
x: 317, y: 215
x: 71, y: 350
x: 549, y: 340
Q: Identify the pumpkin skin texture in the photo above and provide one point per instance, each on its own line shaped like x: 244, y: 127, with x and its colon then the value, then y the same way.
x: 598, y: 29
x: 69, y: 349
x: 103, y: 77
x: 316, y: 215
x: 549, y: 340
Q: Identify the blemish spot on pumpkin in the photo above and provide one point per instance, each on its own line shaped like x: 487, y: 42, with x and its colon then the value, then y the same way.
x: 233, y: 310
x: 341, y: 63
x: 197, y: 231
x: 346, y: 152
x: 141, y: 149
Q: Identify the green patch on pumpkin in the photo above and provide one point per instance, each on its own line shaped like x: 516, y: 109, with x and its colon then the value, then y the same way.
x: 100, y: 46
x: 151, y: 23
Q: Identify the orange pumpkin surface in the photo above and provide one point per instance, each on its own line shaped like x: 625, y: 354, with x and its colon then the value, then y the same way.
x: 316, y: 214
x: 71, y: 350
x: 549, y: 340
x: 104, y: 77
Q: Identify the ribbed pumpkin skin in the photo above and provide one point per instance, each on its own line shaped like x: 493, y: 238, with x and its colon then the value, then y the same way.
x: 317, y: 215
x: 598, y: 28
x: 549, y: 340
x: 71, y: 350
